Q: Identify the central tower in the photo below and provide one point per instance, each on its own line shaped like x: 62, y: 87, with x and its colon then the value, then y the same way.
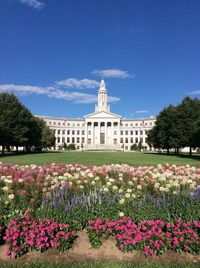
x: 102, y: 99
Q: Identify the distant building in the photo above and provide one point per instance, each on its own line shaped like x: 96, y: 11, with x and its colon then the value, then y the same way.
x: 101, y: 130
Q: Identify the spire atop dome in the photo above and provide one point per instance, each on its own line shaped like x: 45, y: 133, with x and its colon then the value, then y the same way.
x: 102, y: 84
x: 102, y: 98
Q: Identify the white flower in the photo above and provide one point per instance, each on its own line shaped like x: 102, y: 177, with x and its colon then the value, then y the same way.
x: 5, y: 188
x: 121, y: 214
x: 174, y: 192
x: 114, y: 187
x: 105, y: 189
x: 93, y: 182
x: 130, y: 183
x: 129, y: 191
x: 11, y: 196
x: 127, y: 195
x: 139, y: 187
x: 121, y: 191
x: 133, y: 195
x: 109, y: 183
x: 20, y: 180
x: 121, y: 201
x: 162, y: 189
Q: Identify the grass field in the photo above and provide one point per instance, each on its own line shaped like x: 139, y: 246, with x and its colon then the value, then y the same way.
x: 100, y: 158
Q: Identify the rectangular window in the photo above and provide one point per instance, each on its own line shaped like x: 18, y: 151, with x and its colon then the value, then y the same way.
x: 58, y: 139
x: 115, y: 124
x: 63, y: 132
x: 83, y: 132
x: 136, y: 132
x: 131, y: 140
x: 141, y: 132
x: 68, y: 132
x: 73, y: 140
x: 83, y: 140
x: 126, y: 140
x: 68, y: 140
x: 78, y: 140
x: 121, y: 132
x: 59, y: 131
x: 73, y: 132
x: 78, y: 132
x: 126, y: 132
x: 115, y: 132
x: 63, y: 139
x: 89, y: 132
x: 136, y: 140
x: 131, y: 132
x: 121, y: 140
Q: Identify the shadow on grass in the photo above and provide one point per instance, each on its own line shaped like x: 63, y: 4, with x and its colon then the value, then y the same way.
x: 193, y: 157
x: 28, y: 153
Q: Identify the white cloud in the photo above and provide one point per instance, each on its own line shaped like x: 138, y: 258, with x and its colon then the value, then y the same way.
x: 141, y: 112
x: 36, y: 4
x: 112, y: 73
x: 53, y: 92
x: 75, y: 83
x: 195, y: 92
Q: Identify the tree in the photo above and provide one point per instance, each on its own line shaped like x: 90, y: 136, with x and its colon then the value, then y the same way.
x: 165, y: 134
x: 47, y: 139
x: 189, y: 115
x: 134, y: 147
x: 18, y: 127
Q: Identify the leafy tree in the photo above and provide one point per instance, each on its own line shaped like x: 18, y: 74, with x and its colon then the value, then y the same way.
x: 47, y: 139
x: 134, y: 147
x: 189, y: 115
x: 165, y: 134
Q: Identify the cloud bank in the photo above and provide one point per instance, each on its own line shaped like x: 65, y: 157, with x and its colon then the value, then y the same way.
x: 36, y: 4
x: 53, y: 92
x: 112, y: 73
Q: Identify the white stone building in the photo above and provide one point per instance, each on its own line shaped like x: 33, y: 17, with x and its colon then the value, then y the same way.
x: 100, y: 130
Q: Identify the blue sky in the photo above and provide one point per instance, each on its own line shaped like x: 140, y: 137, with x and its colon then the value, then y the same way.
x: 54, y: 52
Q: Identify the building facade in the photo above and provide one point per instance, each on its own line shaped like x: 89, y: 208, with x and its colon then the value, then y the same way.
x: 100, y: 130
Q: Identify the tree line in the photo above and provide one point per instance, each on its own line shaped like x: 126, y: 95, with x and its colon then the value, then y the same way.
x: 19, y: 128
x: 177, y: 127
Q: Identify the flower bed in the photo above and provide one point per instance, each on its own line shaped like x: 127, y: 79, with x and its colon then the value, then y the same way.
x: 151, y: 237
x: 26, y: 234
x: 134, y: 198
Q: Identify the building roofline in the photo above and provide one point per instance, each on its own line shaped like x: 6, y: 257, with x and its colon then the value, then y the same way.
x: 59, y: 118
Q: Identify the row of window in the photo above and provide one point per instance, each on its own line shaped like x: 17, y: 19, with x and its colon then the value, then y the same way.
x: 82, y: 140
x: 130, y: 140
x: 131, y: 132
x: 78, y: 132
x: 65, y: 124
x: 70, y: 140
x: 97, y: 123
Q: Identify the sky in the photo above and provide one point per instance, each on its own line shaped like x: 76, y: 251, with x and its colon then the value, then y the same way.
x: 53, y: 54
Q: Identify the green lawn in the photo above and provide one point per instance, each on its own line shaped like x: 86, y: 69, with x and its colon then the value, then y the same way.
x: 100, y: 158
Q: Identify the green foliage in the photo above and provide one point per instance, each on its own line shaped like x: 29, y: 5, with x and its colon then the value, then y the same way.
x: 134, y: 147
x: 177, y: 126
x: 18, y: 127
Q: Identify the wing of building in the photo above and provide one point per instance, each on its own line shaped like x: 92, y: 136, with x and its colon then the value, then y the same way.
x: 100, y: 130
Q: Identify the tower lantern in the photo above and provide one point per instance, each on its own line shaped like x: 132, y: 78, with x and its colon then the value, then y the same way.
x: 102, y: 98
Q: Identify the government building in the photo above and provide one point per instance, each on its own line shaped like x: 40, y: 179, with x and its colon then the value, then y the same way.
x: 100, y: 130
